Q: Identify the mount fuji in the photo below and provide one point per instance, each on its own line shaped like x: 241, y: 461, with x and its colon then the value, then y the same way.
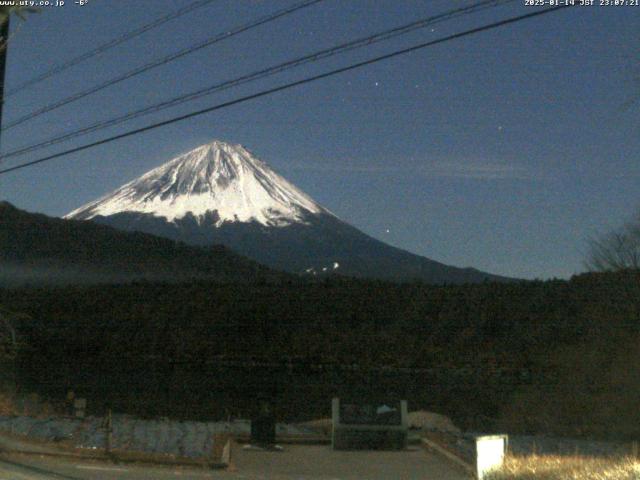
x: 220, y: 193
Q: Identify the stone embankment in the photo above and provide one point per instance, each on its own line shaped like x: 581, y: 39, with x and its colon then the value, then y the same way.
x: 167, y: 437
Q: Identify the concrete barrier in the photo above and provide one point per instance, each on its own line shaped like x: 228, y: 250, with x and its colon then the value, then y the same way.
x: 433, y: 446
x: 369, y: 427
x: 488, y: 453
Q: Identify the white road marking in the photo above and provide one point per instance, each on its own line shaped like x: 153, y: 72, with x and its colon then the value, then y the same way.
x: 14, y: 477
x: 106, y: 469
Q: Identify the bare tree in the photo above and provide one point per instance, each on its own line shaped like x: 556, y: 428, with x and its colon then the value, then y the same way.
x: 5, y: 13
x: 8, y: 337
x: 616, y: 250
x: 19, y: 11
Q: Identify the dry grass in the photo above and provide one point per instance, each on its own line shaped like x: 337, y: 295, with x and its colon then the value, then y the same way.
x: 551, y: 467
x: 7, y: 406
x: 30, y: 405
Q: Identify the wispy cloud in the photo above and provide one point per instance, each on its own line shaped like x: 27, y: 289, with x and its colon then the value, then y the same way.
x: 479, y: 170
x: 469, y: 169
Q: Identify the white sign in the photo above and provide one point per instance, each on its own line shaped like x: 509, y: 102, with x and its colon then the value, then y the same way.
x: 490, y: 452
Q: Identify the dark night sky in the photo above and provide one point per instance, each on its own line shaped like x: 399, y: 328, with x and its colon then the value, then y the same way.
x: 504, y: 151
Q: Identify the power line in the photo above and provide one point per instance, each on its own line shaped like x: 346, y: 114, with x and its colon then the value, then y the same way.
x: 279, y: 68
x: 287, y: 86
x: 108, y: 45
x: 162, y: 61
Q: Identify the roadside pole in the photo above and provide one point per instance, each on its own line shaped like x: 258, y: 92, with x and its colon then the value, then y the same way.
x: 4, y: 42
x: 107, y: 424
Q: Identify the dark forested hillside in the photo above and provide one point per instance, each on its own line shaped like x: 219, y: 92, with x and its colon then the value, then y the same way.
x: 321, y: 242
x: 35, y: 249
x: 492, y: 355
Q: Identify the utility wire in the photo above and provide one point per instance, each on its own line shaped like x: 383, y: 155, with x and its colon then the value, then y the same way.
x: 162, y: 61
x: 108, y: 45
x: 279, y: 68
x: 287, y: 86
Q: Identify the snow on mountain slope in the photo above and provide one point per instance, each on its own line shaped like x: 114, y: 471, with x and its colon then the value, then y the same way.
x: 220, y: 194
x: 216, y: 177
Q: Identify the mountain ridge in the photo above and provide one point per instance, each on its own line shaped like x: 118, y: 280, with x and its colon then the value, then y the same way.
x: 36, y: 249
x: 217, y: 176
x: 220, y: 193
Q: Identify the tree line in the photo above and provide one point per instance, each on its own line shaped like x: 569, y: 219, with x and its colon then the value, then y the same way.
x: 491, y: 355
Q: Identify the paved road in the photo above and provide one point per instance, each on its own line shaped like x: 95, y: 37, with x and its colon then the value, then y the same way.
x: 20, y: 467
x: 297, y: 462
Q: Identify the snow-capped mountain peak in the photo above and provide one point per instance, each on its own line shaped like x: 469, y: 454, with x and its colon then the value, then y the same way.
x: 217, y: 177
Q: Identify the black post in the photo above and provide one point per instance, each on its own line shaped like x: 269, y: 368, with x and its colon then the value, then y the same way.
x: 107, y: 424
x: 4, y: 41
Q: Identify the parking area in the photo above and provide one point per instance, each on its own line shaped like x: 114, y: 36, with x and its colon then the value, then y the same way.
x: 316, y: 462
x: 296, y: 462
